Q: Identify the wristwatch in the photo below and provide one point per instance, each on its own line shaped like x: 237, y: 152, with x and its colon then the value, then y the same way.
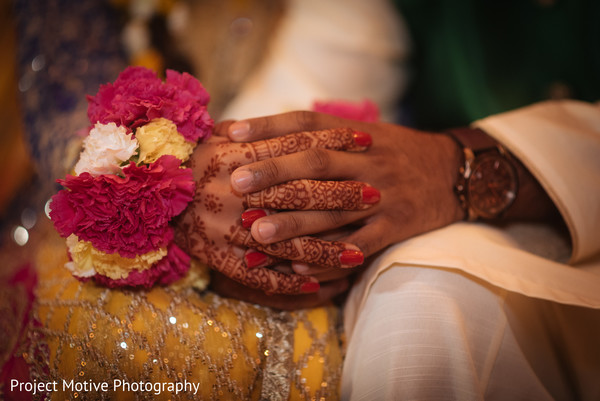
x: 487, y: 182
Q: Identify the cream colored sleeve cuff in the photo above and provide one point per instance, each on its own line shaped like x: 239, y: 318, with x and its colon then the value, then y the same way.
x: 559, y: 142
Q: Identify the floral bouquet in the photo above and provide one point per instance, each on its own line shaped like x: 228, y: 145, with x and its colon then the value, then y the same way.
x: 129, y: 182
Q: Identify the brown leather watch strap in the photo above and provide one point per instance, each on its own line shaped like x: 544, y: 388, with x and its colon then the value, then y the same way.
x: 472, y: 138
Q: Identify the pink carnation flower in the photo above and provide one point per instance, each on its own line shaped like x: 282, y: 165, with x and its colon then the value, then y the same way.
x: 166, y: 271
x: 129, y: 215
x: 363, y: 111
x: 138, y: 96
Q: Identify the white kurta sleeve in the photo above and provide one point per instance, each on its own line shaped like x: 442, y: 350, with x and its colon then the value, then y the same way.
x: 559, y: 143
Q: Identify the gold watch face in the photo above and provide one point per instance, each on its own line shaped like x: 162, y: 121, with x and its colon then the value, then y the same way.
x: 492, y: 185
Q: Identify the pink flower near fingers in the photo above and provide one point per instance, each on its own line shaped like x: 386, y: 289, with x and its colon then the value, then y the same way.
x: 138, y: 96
x: 129, y: 215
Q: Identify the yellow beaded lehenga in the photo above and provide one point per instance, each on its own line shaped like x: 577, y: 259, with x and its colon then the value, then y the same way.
x: 81, y: 335
x: 232, y: 349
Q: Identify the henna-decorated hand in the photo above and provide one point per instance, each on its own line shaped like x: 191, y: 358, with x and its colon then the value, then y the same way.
x: 414, y: 172
x: 211, y: 228
x: 230, y: 288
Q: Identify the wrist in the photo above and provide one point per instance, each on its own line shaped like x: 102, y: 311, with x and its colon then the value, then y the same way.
x: 527, y: 199
x: 452, y: 161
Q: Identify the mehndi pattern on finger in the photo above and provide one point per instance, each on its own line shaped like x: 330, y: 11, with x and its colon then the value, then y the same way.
x: 310, y: 250
x: 272, y: 282
x: 334, y: 139
x: 315, y: 195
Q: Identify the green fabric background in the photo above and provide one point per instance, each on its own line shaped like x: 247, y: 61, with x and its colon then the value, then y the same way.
x: 473, y: 58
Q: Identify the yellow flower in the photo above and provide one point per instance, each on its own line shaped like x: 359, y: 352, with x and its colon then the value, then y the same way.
x: 87, y: 260
x: 197, y: 277
x: 160, y: 137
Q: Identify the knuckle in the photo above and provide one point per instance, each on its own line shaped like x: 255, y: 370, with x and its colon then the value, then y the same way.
x: 267, y: 173
x: 305, y: 120
x: 374, y: 243
x: 318, y: 161
x: 261, y: 127
x: 292, y: 225
x: 258, y: 128
x: 336, y: 218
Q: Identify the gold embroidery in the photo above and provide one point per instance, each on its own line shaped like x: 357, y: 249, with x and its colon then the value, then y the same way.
x: 234, y: 350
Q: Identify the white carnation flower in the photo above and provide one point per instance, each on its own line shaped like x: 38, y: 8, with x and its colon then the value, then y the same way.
x: 104, y: 149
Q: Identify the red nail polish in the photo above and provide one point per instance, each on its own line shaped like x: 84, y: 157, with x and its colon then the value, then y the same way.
x: 352, y: 258
x: 310, y: 286
x: 370, y: 195
x: 250, y: 216
x: 254, y: 259
x: 362, y: 138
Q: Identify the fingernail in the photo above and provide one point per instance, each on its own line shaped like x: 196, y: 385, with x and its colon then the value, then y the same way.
x: 239, y: 130
x: 310, y: 286
x: 300, y: 268
x: 250, y: 216
x: 370, y: 195
x: 362, y: 138
x: 255, y: 259
x: 266, y: 230
x: 351, y: 257
x: 242, y: 179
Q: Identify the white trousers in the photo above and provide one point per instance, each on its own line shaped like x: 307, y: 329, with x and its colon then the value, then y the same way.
x: 435, y: 334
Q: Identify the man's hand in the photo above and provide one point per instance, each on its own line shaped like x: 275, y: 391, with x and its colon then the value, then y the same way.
x: 413, y: 172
